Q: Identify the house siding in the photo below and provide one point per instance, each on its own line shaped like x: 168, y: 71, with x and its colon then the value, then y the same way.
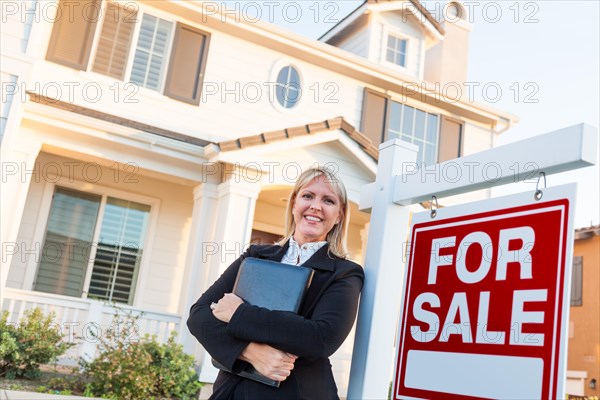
x: 584, y: 333
x: 357, y: 42
x: 17, y: 19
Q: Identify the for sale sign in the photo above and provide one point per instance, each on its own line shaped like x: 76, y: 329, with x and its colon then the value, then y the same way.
x: 485, y: 302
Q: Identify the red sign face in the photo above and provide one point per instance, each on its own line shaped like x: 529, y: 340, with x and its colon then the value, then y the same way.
x: 483, y: 303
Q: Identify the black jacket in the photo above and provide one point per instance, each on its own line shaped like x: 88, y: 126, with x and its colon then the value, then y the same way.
x: 324, y: 321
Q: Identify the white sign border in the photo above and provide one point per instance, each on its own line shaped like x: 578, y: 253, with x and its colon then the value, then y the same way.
x: 567, y: 191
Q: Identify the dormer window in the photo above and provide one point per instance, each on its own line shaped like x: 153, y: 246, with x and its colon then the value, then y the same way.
x: 396, y: 50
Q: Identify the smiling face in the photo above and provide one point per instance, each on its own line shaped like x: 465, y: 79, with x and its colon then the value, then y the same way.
x: 317, y: 208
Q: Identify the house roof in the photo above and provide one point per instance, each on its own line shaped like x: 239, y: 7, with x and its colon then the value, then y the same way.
x: 424, y: 12
x: 423, y: 16
x: 587, y: 232
x: 308, y: 129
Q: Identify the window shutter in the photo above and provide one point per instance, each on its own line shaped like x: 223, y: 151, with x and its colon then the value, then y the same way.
x: 450, y: 145
x: 73, y: 33
x: 115, y: 41
x: 186, y: 68
x: 373, y: 120
x: 577, y: 281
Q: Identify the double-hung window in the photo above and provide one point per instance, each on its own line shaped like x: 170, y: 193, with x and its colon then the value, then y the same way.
x: 438, y: 137
x: 151, y: 52
x: 93, y: 246
x: 132, y: 45
x: 415, y: 126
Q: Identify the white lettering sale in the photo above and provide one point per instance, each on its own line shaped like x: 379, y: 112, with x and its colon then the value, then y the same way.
x: 456, y: 320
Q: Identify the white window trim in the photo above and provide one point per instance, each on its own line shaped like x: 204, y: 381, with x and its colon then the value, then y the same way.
x: 399, y: 35
x: 104, y: 191
x: 277, y: 66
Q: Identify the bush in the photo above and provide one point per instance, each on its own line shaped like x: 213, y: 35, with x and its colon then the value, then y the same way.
x: 28, y: 344
x: 143, y: 369
x: 174, y: 368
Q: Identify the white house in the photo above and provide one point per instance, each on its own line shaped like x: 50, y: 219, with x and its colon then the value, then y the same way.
x: 145, y: 143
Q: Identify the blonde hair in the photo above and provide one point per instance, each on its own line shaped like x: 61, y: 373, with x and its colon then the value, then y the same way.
x: 336, y: 237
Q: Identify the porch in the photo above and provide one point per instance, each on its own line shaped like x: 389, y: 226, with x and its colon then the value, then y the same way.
x: 83, y: 321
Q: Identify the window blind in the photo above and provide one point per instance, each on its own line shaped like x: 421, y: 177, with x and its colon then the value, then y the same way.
x: 68, y: 242
x: 119, y: 251
x: 151, y: 51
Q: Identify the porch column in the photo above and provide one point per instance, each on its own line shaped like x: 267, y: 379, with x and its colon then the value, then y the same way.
x: 237, y: 201
x: 204, y: 217
x: 18, y: 163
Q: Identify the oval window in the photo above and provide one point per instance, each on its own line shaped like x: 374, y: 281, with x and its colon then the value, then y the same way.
x: 288, y: 89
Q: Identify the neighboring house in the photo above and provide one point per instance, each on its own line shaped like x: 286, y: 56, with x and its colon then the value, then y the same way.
x: 584, y: 321
x: 143, y: 193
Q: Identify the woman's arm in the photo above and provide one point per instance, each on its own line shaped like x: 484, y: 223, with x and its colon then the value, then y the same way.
x: 211, y: 332
x: 320, y: 336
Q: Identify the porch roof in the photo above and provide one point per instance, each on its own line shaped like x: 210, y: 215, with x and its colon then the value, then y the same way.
x: 308, y: 129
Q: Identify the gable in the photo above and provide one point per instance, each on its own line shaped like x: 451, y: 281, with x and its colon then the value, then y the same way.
x: 278, y: 157
x: 286, y: 166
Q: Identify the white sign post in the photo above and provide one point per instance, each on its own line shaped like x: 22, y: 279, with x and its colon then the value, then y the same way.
x: 399, y: 183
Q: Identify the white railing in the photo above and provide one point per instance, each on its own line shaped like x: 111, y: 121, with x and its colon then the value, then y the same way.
x: 82, y: 321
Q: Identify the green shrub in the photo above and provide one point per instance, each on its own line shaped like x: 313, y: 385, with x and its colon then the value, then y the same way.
x: 174, y: 369
x: 28, y: 344
x: 142, y: 369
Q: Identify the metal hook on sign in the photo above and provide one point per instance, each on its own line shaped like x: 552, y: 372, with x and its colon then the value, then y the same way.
x: 432, y: 208
x: 538, y: 192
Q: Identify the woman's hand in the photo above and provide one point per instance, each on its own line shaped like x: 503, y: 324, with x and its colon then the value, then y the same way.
x: 272, y: 363
x: 224, y: 309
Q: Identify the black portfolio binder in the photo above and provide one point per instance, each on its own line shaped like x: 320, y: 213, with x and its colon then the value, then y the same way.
x: 272, y: 285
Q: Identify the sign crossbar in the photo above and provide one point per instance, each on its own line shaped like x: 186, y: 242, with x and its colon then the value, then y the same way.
x: 558, y: 151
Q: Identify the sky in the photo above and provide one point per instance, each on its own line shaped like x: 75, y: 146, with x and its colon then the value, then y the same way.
x: 543, y: 55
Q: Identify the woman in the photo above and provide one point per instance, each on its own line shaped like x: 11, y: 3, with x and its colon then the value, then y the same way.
x: 287, y: 347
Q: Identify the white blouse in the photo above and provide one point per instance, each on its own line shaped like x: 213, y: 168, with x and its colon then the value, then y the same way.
x: 298, y: 255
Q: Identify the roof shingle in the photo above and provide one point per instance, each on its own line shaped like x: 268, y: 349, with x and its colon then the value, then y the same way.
x: 302, y: 130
